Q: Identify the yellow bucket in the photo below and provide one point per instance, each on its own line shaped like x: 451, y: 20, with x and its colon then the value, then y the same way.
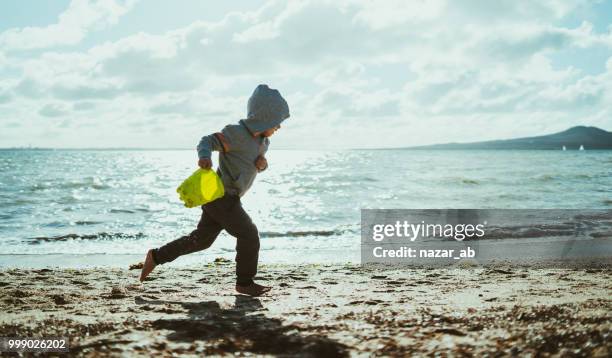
x: 203, y: 186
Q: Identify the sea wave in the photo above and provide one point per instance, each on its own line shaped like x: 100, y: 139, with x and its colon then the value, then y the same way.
x: 303, y: 233
x: 140, y: 235
x: 470, y: 181
x: 72, y: 223
x: 516, y: 232
x: 545, y: 177
x: 460, y: 180
x: 85, y: 183
x: 96, y: 236
x: 121, y: 211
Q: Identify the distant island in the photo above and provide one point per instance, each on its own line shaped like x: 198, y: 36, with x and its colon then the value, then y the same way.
x: 574, y: 138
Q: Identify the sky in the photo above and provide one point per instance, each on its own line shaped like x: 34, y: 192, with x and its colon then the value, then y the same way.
x: 356, y: 74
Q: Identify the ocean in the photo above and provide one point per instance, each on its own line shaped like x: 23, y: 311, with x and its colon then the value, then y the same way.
x: 107, y: 207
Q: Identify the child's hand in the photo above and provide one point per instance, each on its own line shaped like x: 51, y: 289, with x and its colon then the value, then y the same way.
x: 261, y: 163
x: 205, y: 163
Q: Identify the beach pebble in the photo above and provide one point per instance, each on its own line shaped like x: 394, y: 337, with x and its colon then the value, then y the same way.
x: 59, y: 299
x: 137, y: 266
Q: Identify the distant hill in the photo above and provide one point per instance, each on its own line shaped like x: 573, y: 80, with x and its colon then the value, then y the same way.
x: 572, y: 139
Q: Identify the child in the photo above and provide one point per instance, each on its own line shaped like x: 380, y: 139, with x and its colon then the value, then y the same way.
x: 242, y: 148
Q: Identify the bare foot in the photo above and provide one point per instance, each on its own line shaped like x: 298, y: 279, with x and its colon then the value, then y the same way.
x: 253, y: 289
x: 148, y: 266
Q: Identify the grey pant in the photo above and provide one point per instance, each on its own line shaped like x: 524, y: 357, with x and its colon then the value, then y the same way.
x: 226, y: 214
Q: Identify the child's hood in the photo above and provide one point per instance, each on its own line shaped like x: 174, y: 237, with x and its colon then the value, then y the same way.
x: 266, y: 109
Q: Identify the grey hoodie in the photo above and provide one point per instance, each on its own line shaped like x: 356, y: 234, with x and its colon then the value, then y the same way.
x: 240, y: 144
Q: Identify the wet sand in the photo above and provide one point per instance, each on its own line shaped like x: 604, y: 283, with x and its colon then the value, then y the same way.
x: 316, y: 310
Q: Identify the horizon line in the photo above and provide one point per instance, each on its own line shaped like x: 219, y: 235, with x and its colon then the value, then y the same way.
x: 147, y: 148
x: 417, y: 147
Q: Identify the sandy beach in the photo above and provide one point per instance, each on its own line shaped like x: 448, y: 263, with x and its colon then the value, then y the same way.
x: 316, y: 310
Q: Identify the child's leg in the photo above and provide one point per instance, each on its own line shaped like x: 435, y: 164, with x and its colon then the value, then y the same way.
x: 232, y: 217
x: 199, y: 239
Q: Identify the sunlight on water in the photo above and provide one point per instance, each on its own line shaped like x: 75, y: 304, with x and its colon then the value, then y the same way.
x: 122, y: 202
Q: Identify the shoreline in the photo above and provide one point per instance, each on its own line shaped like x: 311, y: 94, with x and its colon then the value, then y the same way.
x: 555, y: 252
x: 87, y: 261
x: 315, y: 310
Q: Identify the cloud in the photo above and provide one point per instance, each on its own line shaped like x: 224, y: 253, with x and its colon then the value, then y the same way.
x: 430, y: 68
x: 83, y: 106
x: 180, y: 106
x: 5, y: 97
x: 52, y: 110
x: 28, y: 87
x: 532, y: 87
x: 73, y: 24
x: 354, y: 103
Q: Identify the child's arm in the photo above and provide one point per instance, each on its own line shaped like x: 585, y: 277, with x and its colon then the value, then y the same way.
x: 209, y: 143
